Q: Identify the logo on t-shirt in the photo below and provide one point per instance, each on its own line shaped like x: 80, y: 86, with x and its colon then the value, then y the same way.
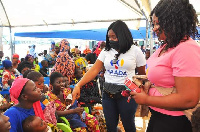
x: 117, y: 72
x: 118, y: 64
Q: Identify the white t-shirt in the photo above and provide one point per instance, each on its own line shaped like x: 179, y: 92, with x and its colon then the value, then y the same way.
x: 125, y: 66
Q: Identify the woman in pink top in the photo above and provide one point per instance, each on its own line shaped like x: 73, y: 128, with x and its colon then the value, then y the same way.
x: 175, y: 64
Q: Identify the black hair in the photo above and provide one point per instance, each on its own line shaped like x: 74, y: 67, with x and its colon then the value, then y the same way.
x: 10, y: 82
x: 34, y: 76
x: 26, y: 73
x: 76, y: 71
x: 26, y: 124
x: 54, y: 75
x: 43, y: 62
x: 123, y: 34
x: 24, y: 64
x: 177, y: 18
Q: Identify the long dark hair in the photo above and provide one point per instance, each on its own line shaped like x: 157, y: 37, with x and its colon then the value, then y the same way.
x: 177, y: 18
x: 123, y: 35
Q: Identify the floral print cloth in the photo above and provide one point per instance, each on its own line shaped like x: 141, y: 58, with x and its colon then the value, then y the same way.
x: 76, y: 123
x: 64, y: 63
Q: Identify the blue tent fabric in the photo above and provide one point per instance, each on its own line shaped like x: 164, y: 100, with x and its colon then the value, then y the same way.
x: 93, y: 34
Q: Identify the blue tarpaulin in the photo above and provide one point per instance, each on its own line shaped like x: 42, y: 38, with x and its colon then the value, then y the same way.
x: 93, y: 34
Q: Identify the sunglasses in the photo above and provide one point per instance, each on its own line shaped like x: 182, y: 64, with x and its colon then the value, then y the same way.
x: 115, y: 58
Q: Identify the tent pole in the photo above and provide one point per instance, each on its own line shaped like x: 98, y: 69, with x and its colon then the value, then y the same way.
x: 151, y: 39
x: 147, y: 35
x: 11, y: 45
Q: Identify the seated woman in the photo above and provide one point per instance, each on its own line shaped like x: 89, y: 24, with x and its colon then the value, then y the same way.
x: 7, y: 74
x: 28, y: 95
x: 59, y: 95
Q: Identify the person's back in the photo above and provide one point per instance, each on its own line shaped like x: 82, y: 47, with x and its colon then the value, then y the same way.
x: 44, y: 69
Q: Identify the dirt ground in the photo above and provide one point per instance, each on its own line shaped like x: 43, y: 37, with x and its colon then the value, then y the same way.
x: 141, y: 122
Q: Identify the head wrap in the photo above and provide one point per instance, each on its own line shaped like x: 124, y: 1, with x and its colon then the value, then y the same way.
x: 99, y: 43
x: 15, y: 56
x: 15, y: 91
x: 64, y: 63
x: 7, y: 63
x: 28, y: 56
x: 64, y: 46
x: 17, y: 87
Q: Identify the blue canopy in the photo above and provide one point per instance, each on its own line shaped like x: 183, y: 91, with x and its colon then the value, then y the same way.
x: 93, y: 34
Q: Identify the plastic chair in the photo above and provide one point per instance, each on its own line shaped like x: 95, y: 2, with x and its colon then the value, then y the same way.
x: 65, y: 120
x: 46, y: 80
x: 64, y: 126
x: 87, y: 110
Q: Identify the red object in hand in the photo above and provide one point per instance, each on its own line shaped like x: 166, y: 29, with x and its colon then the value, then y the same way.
x: 131, y: 86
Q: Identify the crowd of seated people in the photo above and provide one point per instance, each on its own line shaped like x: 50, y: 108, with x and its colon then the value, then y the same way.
x: 29, y: 104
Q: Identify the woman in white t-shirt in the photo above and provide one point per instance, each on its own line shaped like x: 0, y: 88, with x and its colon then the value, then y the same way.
x: 121, y: 58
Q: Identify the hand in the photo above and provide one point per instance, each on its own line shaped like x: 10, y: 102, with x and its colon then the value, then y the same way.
x: 79, y: 110
x: 140, y: 98
x: 76, y: 93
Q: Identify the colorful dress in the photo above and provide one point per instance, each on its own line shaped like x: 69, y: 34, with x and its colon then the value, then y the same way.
x: 7, y: 75
x: 64, y: 63
x: 75, y: 121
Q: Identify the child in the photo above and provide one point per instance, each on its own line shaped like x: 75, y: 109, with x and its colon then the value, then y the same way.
x: 35, y: 124
x: 7, y: 74
x: 59, y: 95
x: 89, y: 92
x: 38, y: 79
x: 44, y: 69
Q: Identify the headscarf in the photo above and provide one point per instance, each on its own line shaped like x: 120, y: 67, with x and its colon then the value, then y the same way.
x: 7, y: 63
x: 15, y: 56
x: 17, y: 87
x: 28, y: 56
x: 64, y: 63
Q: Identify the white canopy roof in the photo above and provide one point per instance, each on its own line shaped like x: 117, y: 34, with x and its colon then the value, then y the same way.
x: 76, y: 14
x: 28, y: 13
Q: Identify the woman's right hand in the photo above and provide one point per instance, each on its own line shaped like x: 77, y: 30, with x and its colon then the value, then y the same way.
x: 76, y: 93
x: 79, y: 110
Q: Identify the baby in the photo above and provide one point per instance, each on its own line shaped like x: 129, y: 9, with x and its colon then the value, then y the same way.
x: 35, y: 124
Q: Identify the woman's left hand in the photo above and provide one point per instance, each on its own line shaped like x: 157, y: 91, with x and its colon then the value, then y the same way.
x: 140, y: 98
